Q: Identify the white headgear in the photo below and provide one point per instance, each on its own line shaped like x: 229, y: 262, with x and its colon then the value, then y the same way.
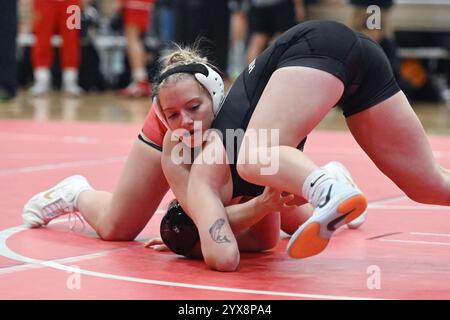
x: 204, y: 74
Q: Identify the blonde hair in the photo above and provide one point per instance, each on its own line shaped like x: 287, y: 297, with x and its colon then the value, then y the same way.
x: 177, y: 57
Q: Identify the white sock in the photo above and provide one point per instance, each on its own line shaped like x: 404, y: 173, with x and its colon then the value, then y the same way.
x: 42, y: 76
x: 139, y: 75
x: 77, y: 195
x: 70, y: 77
x: 314, y: 186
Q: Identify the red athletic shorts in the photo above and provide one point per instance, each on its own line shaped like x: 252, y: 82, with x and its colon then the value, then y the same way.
x: 138, y: 13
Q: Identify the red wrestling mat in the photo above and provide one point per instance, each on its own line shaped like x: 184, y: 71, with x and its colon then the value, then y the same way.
x: 401, y: 252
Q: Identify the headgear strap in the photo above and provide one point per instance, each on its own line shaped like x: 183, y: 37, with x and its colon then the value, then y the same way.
x: 186, y: 68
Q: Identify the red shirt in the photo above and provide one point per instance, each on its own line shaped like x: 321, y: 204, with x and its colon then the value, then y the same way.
x: 153, y: 129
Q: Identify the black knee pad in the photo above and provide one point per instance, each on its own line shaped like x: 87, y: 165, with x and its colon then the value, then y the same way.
x: 178, y: 231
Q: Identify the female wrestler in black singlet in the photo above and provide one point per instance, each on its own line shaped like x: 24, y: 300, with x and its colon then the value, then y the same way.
x: 289, y: 88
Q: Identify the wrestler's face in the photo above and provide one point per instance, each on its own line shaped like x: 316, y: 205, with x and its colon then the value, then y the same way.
x: 183, y: 103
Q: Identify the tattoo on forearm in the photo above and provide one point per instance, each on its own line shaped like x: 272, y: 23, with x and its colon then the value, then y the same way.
x: 215, y: 231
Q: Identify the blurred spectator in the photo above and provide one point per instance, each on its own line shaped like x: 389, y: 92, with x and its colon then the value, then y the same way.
x: 165, y: 24
x: 380, y: 34
x: 411, y: 74
x: 239, y: 26
x: 206, y: 20
x: 8, y: 33
x: 136, y: 20
x: 50, y: 16
x: 268, y: 19
x: 360, y: 16
x: 90, y: 77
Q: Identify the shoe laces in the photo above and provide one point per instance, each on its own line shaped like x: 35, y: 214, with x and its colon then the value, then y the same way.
x: 56, y: 209
x: 76, y: 217
x: 59, y: 208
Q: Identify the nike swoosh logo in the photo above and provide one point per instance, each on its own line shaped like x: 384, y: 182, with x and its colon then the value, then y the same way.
x: 327, y: 199
x: 313, y: 183
x: 332, y: 225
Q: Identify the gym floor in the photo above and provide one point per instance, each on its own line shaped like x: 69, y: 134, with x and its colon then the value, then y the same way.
x: 401, y: 252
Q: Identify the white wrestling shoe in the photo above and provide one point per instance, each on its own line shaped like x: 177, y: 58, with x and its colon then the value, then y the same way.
x: 72, y: 90
x: 341, y: 173
x: 70, y: 82
x: 338, y: 204
x: 57, y: 201
x: 39, y: 89
x: 42, y: 78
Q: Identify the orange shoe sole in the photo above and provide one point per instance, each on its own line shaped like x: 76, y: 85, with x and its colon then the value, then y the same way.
x: 309, y: 242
